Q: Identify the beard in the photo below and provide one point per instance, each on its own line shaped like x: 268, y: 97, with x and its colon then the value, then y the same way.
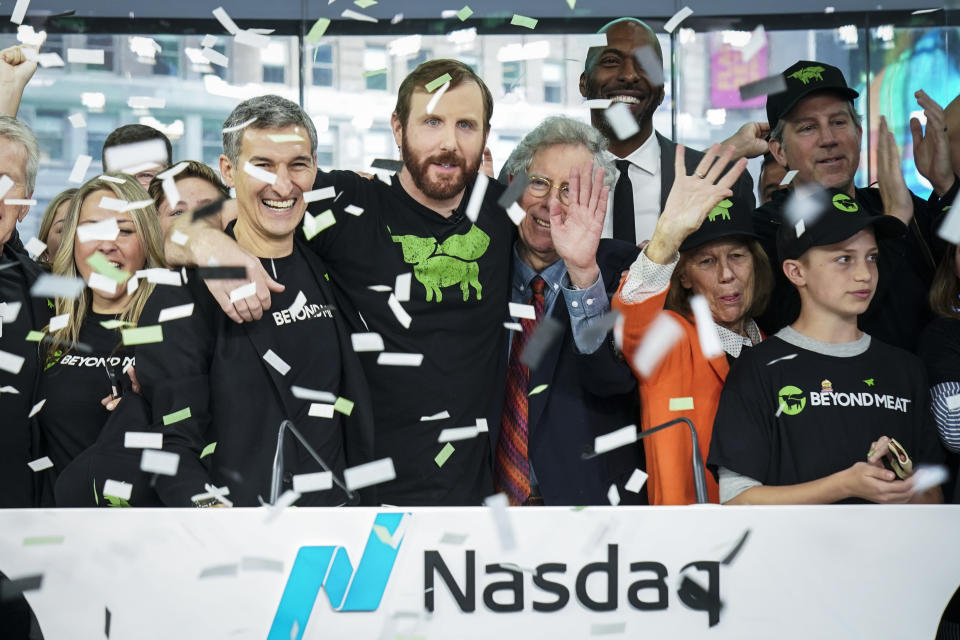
x: 443, y: 188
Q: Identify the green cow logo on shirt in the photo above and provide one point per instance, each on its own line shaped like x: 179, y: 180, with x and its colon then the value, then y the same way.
x: 448, y: 263
x: 722, y: 210
x: 807, y: 74
x: 790, y: 400
x: 843, y: 202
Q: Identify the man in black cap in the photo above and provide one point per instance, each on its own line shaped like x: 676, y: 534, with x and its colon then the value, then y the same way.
x: 799, y: 410
x: 816, y: 131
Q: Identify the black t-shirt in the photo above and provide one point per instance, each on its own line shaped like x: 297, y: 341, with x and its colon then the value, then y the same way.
x: 940, y: 351
x: 17, y: 446
x: 73, y: 385
x: 458, y: 303
x: 830, y: 409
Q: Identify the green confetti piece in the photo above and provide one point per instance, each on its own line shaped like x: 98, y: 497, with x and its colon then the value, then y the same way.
x: 35, y: 336
x: 444, y: 454
x: 363, y: 4
x: 579, y: 507
x: 465, y: 13
x: 681, y: 404
x: 208, y: 450
x: 103, y: 266
x: 38, y: 540
x: 315, y: 224
x: 115, y: 324
x: 317, y: 30
x: 142, y: 335
x: 571, y: 4
x: 438, y: 82
x: 114, y: 501
x: 540, y: 388
x: 176, y: 416
x: 523, y: 21
x: 374, y: 72
x: 344, y: 406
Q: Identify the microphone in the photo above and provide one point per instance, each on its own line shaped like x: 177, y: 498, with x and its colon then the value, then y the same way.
x: 286, y: 425
x: 699, y: 475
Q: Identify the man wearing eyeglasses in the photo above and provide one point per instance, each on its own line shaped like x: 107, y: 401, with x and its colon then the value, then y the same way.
x: 549, y: 418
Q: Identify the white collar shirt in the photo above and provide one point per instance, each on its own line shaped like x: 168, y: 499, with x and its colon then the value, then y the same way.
x: 644, y: 174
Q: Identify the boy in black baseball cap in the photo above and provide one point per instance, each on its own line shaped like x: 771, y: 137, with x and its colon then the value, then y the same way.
x: 812, y: 414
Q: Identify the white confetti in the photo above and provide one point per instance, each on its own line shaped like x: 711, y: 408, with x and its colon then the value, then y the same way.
x: 400, y: 359
x: 320, y: 410
x: 615, y: 439
x: 259, y: 174
x: 127, y: 158
x: 302, y: 393
x: 146, y: 102
x: 239, y: 126
x: 48, y: 60
x: 950, y: 227
x: 36, y: 408
x: 927, y: 477
x: 401, y: 314
x: 142, y: 440
x: 443, y: 415
x: 401, y: 288
x: 173, y: 171
x: 621, y: 120
x: 85, y: 56
x: 112, y: 204
x: 953, y: 402
x: 636, y: 481
x: 162, y: 462
x: 21, y: 202
x: 6, y: 183
x: 159, y: 275
x: 353, y: 15
x: 80, y: 169
x: 320, y: 194
x: 297, y: 305
x: 516, y: 213
x: 380, y: 288
x: 677, y: 18
x: 613, y: 495
x: 208, y: 41
x: 243, y: 291
x: 215, y: 57
x: 436, y: 97
x: 132, y: 285
x: 710, y: 344
x: 276, y: 362
x: 35, y: 247
x: 101, y: 282
x: 77, y: 121
x: 9, y: 312
x: 312, y: 225
x: 800, y: 228
x: 221, y: 15
x: 476, y: 196
x: 662, y: 335
x: 307, y: 482
x: 598, y: 103
x: 369, y: 474
x: 513, y: 326
x: 19, y: 11
x: 526, y: 311
x: 179, y: 238
x: 59, y: 322
x: 482, y: 425
x: 111, y: 179
x: 788, y: 357
x: 174, y: 313
x: 117, y: 489
x: 788, y: 177
x: 758, y: 39
x: 40, y: 464
x: 367, y: 341
x: 51, y: 286
x: 458, y: 433
x: 353, y: 210
x: 251, y: 39
x: 498, y: 510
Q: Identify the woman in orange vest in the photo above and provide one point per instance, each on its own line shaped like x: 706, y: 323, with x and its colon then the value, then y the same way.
x: 703, y: 246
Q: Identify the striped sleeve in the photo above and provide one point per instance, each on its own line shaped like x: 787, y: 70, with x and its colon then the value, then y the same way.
x: 945, y: 405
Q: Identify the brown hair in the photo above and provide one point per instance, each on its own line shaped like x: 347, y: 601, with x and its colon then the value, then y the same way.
x: 678, y: 298
x: 429, y: 71
x: 945, y: 291
x: 48, y: 218
x: 193, y: 169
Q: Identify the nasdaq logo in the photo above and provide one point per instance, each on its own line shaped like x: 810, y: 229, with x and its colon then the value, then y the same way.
x: 346, y: 588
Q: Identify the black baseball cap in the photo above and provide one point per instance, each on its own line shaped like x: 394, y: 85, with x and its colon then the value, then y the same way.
x: 834, y: 217
x: 730, y: 217
x: 803, y: 78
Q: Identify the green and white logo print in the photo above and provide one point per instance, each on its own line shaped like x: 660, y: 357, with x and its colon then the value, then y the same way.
x: 448, y: 263
x: 790, y: 400
x: 807, y: 74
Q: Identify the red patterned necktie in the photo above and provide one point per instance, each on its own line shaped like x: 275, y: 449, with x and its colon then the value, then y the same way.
x: 512, y: 464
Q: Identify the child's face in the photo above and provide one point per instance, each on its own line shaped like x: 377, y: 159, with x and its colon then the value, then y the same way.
x: 841, y: 278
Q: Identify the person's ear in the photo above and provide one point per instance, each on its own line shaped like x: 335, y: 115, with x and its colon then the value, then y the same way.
x: 684, y: 279
x: 583, y: 85
x: 776, y: 150
x: 397, y: 127
x: 795, y: 272
x: 23, y: 212
x: 226, y: 171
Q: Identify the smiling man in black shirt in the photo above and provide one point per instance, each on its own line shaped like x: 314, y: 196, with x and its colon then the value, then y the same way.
x: 448, y: 323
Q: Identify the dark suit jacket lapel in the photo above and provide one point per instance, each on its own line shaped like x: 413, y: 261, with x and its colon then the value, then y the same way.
x: 544, y: 373
x: 667, y: 174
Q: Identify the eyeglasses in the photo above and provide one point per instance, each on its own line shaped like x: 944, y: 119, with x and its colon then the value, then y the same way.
x: 539, y: 187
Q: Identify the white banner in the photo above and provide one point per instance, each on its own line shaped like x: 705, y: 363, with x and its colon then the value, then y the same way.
x: 685, y: 572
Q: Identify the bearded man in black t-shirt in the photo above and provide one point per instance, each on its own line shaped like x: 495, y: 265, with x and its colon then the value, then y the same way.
x: 426, y: 273
x: 811, y: 415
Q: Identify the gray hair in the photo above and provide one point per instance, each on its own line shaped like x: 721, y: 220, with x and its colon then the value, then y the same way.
x: 777, y: 132
x: 13, y: 129
x: 557, y: 130
x: 267, y: 112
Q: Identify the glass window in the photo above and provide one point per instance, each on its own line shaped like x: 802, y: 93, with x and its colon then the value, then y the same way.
x: 105, y: 42
x: 274, y: 60
x: 167, y: 61
x: 212, y: 141
x: 553, y: 82
x: 48, y: 126
x: 422, y: 56
x: 375, y: 68
x: 322, y: 70
x: 512, y: 74
x: 98, y: 128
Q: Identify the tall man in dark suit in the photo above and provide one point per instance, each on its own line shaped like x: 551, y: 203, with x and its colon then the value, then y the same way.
x: 549, y: 418
x: 629, y: 69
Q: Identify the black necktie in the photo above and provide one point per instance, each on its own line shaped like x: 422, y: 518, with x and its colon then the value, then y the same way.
x: 624, y: 227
